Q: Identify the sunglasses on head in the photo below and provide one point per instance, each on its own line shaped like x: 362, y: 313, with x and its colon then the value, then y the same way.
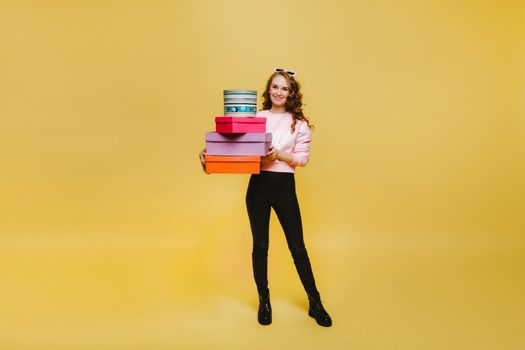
x: 282, y: 70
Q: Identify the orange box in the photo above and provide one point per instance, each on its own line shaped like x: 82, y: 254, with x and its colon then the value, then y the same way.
x: 233, y: 164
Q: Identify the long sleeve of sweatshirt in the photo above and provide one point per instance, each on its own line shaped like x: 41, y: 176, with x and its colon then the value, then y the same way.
x: 297, y: 143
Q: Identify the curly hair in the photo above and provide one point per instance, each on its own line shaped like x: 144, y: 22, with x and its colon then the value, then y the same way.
x: 294, y: 103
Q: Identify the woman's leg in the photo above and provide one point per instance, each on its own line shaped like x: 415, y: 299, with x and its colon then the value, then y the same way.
x: 287, y: 209
x: 258, y: 207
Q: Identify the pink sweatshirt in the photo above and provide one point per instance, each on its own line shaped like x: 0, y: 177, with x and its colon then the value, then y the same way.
x: 283, y: 140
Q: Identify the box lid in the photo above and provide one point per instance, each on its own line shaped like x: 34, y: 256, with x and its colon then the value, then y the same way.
x: 231, y: 159
x: 251, y: 120
x: 241, y: 92
x: 245, y: 137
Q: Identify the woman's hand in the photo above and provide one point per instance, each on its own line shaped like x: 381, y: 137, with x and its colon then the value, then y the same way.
x: 203, y: 161
x: 272, y: 155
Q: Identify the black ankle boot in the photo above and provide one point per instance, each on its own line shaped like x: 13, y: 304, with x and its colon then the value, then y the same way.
x: 264, y: 316
x: 318, y: 312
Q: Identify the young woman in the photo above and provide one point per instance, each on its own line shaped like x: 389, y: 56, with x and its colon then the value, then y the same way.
x: 274, y: 188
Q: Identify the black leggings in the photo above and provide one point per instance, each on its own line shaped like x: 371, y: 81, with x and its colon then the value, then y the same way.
x: 276, y: 190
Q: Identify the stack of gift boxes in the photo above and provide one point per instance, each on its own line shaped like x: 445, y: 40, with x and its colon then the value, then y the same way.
x: 240, y: 138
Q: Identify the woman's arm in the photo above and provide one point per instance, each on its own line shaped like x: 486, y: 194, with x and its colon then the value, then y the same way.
x: 300, y: 154
x: 301, y: 151
x: 274, y: 154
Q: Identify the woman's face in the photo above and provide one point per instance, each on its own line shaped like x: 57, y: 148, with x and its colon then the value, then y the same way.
x: 279, y: 91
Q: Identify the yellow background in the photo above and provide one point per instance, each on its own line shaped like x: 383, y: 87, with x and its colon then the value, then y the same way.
x: 111, y: 236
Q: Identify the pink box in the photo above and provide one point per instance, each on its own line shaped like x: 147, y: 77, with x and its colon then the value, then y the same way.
x: 250, y: 144
x: 232, y: 125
